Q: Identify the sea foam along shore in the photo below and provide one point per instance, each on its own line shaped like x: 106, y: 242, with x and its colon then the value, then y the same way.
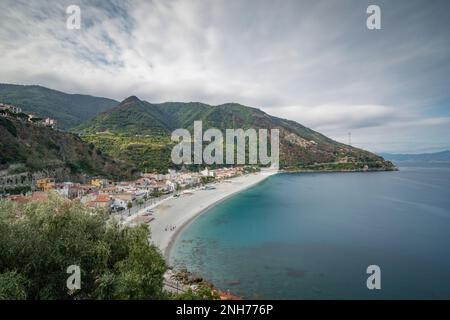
x: 181, y: 211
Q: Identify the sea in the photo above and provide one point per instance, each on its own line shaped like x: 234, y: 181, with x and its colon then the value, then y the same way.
x: 314, y: 236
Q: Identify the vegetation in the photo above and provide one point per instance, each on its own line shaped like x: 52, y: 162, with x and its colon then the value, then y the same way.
x: 38, y: 241
x: 208, y: 179
x: 69, y: 109
x: 40, y: 148
x: 17, y: 190
x: 204, y: 290
x: 148, y: 153
x: 139, y: 132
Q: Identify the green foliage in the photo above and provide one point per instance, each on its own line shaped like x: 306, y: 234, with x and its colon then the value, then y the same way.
x: 38, y: 241
x: 207, y: 179
x: 143, y: 129
x: 203, y: 292
x: 9, y: 126
x: 156, y: 193
x: 69, y: 109
x: 135, y: 129
x: 12, y: 286
x: 251, y: 169
x: 18, y: 190
x: 38, y: 148
x: 146, y: 153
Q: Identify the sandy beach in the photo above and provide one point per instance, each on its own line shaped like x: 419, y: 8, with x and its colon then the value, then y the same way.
x: 181, y: 210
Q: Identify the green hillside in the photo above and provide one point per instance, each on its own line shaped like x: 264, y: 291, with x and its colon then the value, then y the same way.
x: 34, y: 148
x: 68, y: 109
x: 139, y: 132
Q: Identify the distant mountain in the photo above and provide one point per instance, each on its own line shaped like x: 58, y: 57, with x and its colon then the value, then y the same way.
x: 68, y: 109
x: 443, y: 156
x: 35, y: 148
x: 122, y: 131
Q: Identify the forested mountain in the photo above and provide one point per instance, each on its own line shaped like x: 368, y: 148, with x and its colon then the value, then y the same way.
x: 139, y: 131
x: 68, y: 109
x: 33, y: 148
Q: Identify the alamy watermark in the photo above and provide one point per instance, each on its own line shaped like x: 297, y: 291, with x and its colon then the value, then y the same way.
x: 374, y: 280
x: 373, y: 21
x: 235, y: 143
x: 74, y: 280
x: 73, y: 21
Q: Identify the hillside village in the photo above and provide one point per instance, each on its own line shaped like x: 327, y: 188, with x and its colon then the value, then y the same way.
x: 10, y: 111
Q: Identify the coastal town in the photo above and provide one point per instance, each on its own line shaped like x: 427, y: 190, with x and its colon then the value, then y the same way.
x: 125, y: 197
x: 115, y: 197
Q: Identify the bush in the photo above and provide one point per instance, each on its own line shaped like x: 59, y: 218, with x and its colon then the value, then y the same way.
x: 39, y: 240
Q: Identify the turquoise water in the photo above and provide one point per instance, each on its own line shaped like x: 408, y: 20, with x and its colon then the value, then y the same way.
x: 312, y: 236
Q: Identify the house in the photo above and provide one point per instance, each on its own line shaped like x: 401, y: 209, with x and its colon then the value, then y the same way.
x: 110, y: 190
x: 11, y: 108
x: 159, y: 186
x: 119, y: 204
x: 125, y: 196
x: 69, y: 190
x: 45, y: 184
x: 101, y: 201
x: 36, y: 196
x: 48, y: 122
x: 207, y: 173
x: 171, y: 186
x: 99, y: 183
x: 140, y: 194
x: 87, y: 189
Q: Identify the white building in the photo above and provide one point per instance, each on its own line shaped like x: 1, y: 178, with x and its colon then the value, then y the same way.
x: 119, y: 203
x: 171, y: 186
x: 11, y: 108
x: 49, y: 122
x: 207, y: 173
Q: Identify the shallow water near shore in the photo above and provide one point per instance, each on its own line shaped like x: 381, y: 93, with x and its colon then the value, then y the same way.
x: 312, y: 236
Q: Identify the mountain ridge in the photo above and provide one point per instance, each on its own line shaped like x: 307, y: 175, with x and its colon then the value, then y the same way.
x: 301, y: 147
x: 70, y: 110
x: 441, y: 156
x: 137, y: 131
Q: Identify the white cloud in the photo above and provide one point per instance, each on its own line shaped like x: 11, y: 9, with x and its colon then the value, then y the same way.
x: 311, y: 61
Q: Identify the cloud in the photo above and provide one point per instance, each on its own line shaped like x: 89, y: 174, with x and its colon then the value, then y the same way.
x: 334, y: 116
x: 311, y: 61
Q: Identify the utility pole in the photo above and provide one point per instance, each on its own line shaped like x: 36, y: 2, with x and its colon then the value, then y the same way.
x: 350, y: 139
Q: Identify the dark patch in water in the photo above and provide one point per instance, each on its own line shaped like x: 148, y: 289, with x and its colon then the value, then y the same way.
x: 233, y: 282
x: 295, y: 273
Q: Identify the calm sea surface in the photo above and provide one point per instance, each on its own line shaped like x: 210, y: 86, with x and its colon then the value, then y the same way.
x: 312, y: 236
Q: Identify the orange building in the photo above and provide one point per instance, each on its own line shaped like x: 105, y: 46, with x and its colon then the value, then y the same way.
x: 45, y: 184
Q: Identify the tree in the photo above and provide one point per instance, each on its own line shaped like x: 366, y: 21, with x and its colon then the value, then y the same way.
x: 39, y: 240
x: 129, y: 206
x: 12, y: 286
x: 207, y: 179
x: 203, y: 292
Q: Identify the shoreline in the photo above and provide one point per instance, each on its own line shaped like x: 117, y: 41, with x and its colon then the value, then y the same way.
x: 182, y: 211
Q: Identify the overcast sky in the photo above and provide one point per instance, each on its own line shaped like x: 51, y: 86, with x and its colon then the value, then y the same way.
x: 310, y: 61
